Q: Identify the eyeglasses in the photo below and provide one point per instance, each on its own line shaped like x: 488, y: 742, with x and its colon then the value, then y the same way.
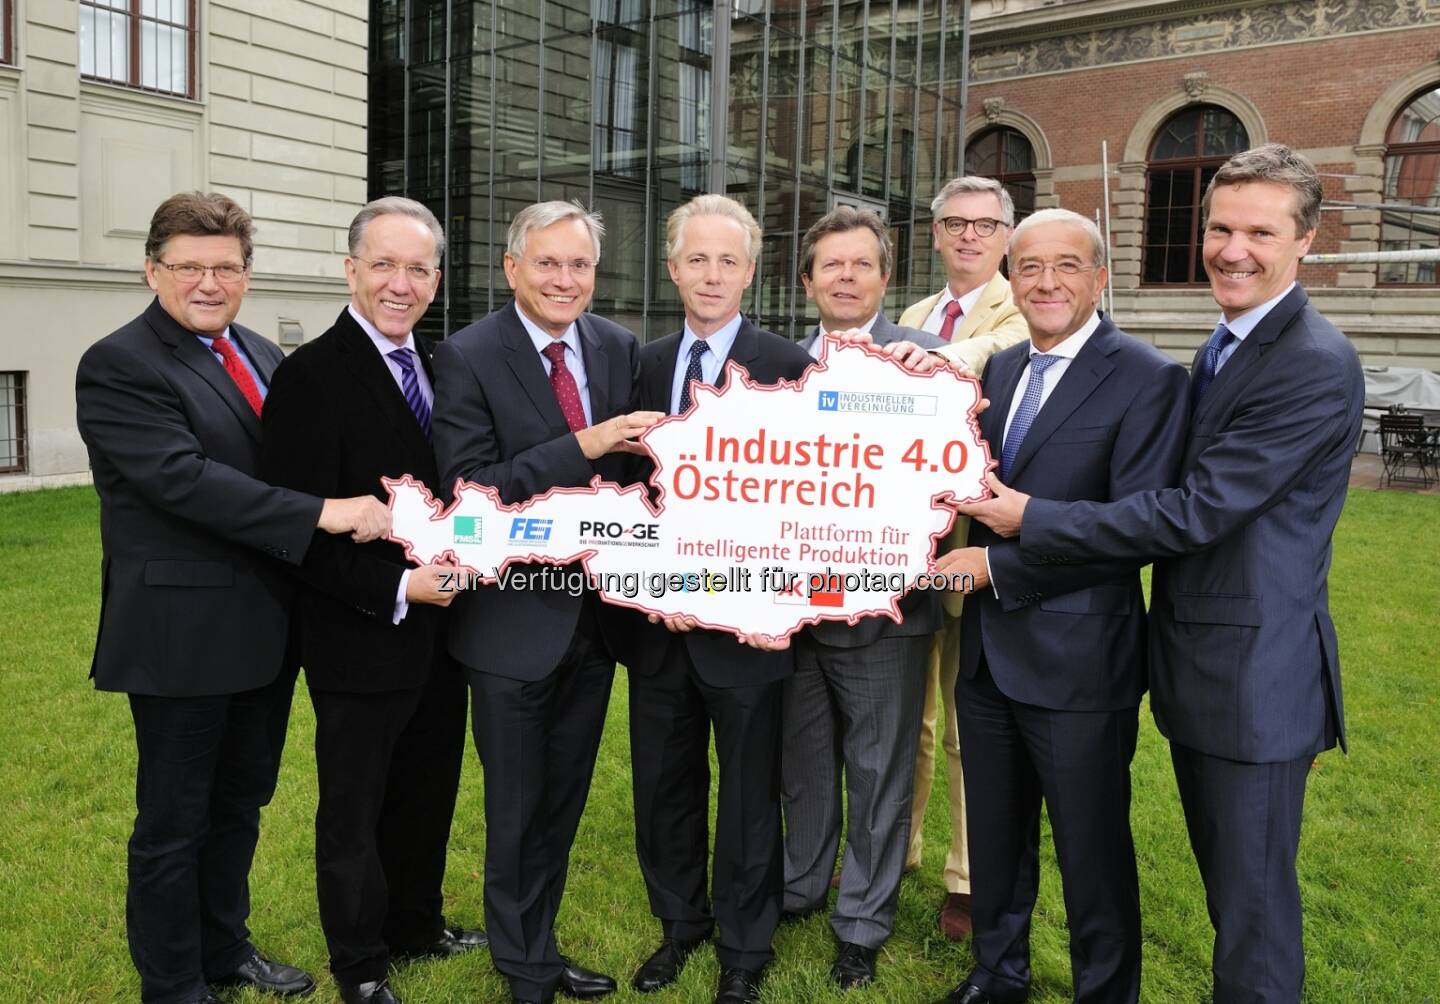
x: 384, y: 266
x: 955, y: 225
x: 191, y: 272
x: 1035, y: 269
x: 579, y: 267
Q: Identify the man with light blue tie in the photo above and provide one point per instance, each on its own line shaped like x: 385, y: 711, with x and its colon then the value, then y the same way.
x: 1245, y: 670
x: 1053, y: 662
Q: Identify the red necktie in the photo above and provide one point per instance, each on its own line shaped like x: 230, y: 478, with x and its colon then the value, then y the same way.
x: 230, y: 359
x: 562, y: 382
x: 947, y: 327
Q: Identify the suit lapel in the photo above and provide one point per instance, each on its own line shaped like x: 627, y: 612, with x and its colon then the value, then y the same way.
x: 597, y: 369
x: 369, y: 370
x: 744, y: 350
x: 1086, y: 371
x: 524, y: 362
x: 1006, y: 379
x: 191, y: 352
x: 1239, y: 367
x: 990, y: 298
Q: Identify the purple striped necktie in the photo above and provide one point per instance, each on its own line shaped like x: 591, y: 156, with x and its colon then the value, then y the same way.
x: 410, y: 385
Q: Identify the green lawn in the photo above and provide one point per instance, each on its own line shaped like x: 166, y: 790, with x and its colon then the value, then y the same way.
x: 1368, y: 860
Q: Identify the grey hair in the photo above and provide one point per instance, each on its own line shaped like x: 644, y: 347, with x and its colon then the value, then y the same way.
x: 1279, y: 165
x: 1082, y: 223
x: 547, y: 214
x: 840, y: 220
x: 395, y: 205
x: 972, y: 183
x: 712, y: 205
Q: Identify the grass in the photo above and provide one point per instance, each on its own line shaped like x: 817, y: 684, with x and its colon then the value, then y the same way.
x: 1368, y: 858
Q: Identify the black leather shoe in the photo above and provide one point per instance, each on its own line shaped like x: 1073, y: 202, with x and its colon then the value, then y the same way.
x: 452, y: 941
x: 663, y: 967
x: 374, y: 992
x: 269, y: 978
x: 738, y: 986
x: 583, y: 984
x: 966, y: 993
x: 854, y: 966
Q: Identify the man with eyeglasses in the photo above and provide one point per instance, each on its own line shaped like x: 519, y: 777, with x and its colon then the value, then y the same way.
x: 1053, y: 660
x: 195, y: 595
x: 345, y: 410
x: 537, y: 395
x: 975, y: 316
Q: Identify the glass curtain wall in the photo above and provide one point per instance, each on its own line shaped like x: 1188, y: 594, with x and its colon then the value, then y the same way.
x: 478, y: 108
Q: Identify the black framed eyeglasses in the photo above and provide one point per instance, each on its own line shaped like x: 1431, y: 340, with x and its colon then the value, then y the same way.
x: 955, y: 226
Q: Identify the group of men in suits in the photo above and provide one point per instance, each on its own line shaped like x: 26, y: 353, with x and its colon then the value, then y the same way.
x: 216, y: 524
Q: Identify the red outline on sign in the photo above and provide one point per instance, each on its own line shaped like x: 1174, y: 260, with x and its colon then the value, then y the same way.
x: 941, y: 502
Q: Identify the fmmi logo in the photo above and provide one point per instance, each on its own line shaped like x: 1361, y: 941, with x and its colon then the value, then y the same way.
x: 469, y: 530
x: 829, y: 400
x: 527, y: 531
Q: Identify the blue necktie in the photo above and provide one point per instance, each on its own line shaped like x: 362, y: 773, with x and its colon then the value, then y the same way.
x: 410, y: 384
x: 1025, y: 414
x: 692, y: 372
x: 1209, y: 363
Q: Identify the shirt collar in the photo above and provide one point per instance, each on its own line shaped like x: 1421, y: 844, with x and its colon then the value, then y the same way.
x: 1248, y: 321
x: 1071, y: 346
x: 719, y: 343
x: 864, y: 327
x: 383, y: 345
x: 540, y: 338
x: 968, y: 301
x: 208, y: 341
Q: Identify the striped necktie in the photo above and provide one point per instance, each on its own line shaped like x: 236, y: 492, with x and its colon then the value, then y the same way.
x: 410, y: 385
x: 1209, y: 363
x: 1025, y: 414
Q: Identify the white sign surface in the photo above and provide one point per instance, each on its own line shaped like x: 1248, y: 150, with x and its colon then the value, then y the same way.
x: 775, y: 506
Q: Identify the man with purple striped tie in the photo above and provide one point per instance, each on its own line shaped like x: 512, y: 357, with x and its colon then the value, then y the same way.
x: 346, y: 409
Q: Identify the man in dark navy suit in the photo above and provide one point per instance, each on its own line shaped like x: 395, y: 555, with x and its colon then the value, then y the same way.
x: 195, y: 595
x: 1245, y: 670
x: 685, y: 682
x: 345, y: 410
x: 1052, y: 662
x: 537, y: 395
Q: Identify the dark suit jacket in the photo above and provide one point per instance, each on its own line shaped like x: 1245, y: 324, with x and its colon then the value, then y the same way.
x: 497, y: 423
x: 920, y: 611
x: 195, y: 598
x: 1074, y: 638
x: 335, y: 423
x: 719, y: 658
x: 1244, y: 658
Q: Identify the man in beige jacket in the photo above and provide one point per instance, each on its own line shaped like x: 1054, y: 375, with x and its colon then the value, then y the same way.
x: 976, y: 316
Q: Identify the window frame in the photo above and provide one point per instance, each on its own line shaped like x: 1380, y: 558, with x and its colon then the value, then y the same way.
x: 22, y: 451
x: 1196, y: 165
x: 1424, y: 147
x: 7, y: 27
x: 1007, y: 178
x: 135, y: 70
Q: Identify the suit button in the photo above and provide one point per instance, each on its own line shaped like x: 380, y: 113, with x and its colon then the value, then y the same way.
x: 283, y: 552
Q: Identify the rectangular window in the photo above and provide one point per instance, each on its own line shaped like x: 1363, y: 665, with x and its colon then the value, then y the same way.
x: 145, y: 44
x: 12, y: 423
x: 7, y: 31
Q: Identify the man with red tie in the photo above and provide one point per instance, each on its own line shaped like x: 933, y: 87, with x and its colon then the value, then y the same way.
x: 195, y: 595
x: 537, y: 395
x: 976, y: 315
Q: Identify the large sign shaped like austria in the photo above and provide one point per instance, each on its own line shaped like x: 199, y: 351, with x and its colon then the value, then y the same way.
x: 775, y: 507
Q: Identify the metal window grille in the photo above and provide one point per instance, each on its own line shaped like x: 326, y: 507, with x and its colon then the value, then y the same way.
x: 13, y: 452
x: 146, y: 44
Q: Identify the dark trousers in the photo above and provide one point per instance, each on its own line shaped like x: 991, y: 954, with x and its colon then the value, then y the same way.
x: 537, y: 742
x: 671, y: 714
x: 1244, y: 822
x: 206, y: 766
x: 388, y: 766
x: 1078, y: 763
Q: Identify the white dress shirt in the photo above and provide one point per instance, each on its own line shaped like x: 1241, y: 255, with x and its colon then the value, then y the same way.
x: 719, y: 344
x: 936, y: 319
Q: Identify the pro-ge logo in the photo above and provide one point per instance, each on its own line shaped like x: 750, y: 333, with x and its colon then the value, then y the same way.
x: 619, y: 534
x: 469, y: 530
x: 528, y: 531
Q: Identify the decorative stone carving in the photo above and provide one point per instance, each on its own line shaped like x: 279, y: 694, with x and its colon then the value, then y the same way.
x: 1288, y: 21
x: 1196, y: 84
x: 993, y: 108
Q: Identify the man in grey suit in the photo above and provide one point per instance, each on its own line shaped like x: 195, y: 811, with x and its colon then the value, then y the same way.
x: 855, y: 700
x: 1245, y: 670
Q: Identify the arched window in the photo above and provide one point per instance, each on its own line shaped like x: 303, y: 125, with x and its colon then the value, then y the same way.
x: 1005, y: 155
x: 1412, y: 178
x: 1187, y: 151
